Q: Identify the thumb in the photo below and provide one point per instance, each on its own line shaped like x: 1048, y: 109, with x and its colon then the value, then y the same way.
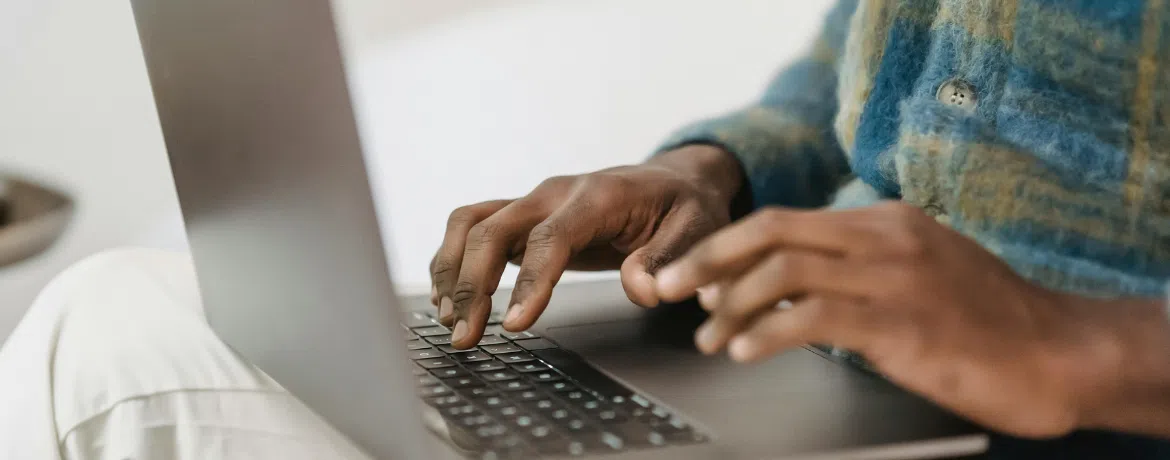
x: 673, y: 239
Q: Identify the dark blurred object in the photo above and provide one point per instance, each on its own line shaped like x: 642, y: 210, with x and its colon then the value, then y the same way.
x: 32, y: 218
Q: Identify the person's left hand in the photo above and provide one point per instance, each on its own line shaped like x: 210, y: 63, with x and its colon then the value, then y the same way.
x: 929, y: 308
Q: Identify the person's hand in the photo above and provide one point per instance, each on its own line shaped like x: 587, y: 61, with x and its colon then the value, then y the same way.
x: 929, y: 308
x: 633, y: 217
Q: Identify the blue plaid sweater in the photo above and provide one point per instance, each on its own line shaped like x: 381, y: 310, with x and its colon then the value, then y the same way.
x: 1060, y: 165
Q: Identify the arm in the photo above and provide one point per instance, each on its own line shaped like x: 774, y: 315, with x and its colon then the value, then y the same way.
x: 785, y: 142
x: 1126, y: 369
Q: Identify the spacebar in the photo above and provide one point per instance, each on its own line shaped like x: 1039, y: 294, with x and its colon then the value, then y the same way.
x: 578, y: 369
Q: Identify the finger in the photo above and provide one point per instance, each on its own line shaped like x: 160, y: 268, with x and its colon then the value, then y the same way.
x: 674, y: 237
x: 486, y: 255
x: 447, y: 260
x: 829, y: 320
x: 709, y: 295
x: 743, y: 244
x: 783, y: 275
x: 550, y: 246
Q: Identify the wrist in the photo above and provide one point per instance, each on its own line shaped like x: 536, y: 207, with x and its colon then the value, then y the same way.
x: 712, y: 167
x: 1117, y: 363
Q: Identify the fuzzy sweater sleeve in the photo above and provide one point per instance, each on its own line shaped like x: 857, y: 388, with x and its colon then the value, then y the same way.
x: 785, y: 141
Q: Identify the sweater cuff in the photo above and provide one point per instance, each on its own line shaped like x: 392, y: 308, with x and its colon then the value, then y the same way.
x: 785, y: 161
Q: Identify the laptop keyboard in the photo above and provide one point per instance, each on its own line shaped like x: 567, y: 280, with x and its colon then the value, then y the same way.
x: 522, y: 396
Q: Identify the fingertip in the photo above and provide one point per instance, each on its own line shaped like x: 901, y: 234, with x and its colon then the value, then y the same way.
x: 514, y: 319
x: 459, y: 332
x: 742, y: 349
x: 639, y: 287
x: 669, y: 279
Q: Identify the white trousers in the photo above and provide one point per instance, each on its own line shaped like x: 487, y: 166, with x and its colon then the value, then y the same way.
x: 115, y: 361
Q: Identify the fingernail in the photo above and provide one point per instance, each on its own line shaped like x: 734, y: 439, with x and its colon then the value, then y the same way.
x: 460, y: 331
x: 446, y: 308
x: 705, y: 339
x: 667, y: 278
x: 741, y: 349
x: 514, y: 313
x: 709, y: 295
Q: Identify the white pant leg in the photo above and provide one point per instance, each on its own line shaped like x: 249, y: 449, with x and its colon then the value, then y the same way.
x: 115, y: 361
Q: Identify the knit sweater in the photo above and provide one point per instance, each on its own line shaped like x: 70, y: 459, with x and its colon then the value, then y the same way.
x: 1039, y: 128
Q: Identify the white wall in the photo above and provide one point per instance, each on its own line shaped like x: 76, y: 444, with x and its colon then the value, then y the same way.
x: 460, y: 101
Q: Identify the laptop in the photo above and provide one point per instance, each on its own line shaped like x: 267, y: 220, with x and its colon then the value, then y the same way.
x: 253, y: 101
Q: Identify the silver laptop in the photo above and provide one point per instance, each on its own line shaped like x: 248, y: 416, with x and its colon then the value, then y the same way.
x: 254, y: 106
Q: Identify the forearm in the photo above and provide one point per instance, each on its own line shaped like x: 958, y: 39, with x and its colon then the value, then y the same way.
x: 1125, y: 380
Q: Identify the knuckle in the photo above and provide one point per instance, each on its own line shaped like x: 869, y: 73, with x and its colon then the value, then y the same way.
x: 552, y: 182
x: 770, y: 216
x: 482, y: 234
x: 461, y: 217
x: 442, y: 268
x: 464, y: 293
x: 544, y: 235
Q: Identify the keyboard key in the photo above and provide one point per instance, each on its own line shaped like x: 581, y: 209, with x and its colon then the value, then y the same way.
x: 543, y: 405
x: 609, y: 416
x: 500, y: 349
x: 494, y: 330
x: 527, y: 395
x: 560, y: 447
x: 475, y: 420
x: 513, y: 358
x: 540, y: 432
x: 432, y: 391
x: 514, y: 385
x: 442, y: 339
x: 477, y: 392
x: 458, y: 411
x: 546, y: 376
x: 472, y: 356
x: 491, y: 431
x: 418, y: 371
x: 487, y: 366
x: 576, y: 368
x: 562, y: 387
x: 495, y: 318
x: 432, y: 331
x: 491, y: 340
x: 463, y: 382
x: 613, y: 441
x: 576, y: 395
x: 636, y: 434
x: 560, y: 414
x: 449, y: 372
x: 445, y: 401
x: 417, y: 319
x: 534, y: 344
x: 417, y: 345
x: 524, y: 421
x: 508, y: 411
x: 425, y: 381
x: 495, y: 402
x: 519, y: 335
x: 410, y: 336
x: 589, y: 404
x: 576, y: 425
x: 451, y: 350
x: 529, y: 367
x: 426, y: 354
x: 435, y: 363
x: 500, y: 376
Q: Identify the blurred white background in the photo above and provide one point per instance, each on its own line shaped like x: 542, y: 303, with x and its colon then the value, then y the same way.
x: 460, y: 101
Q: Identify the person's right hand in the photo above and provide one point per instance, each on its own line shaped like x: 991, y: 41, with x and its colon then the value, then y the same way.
x: 637, y: 218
